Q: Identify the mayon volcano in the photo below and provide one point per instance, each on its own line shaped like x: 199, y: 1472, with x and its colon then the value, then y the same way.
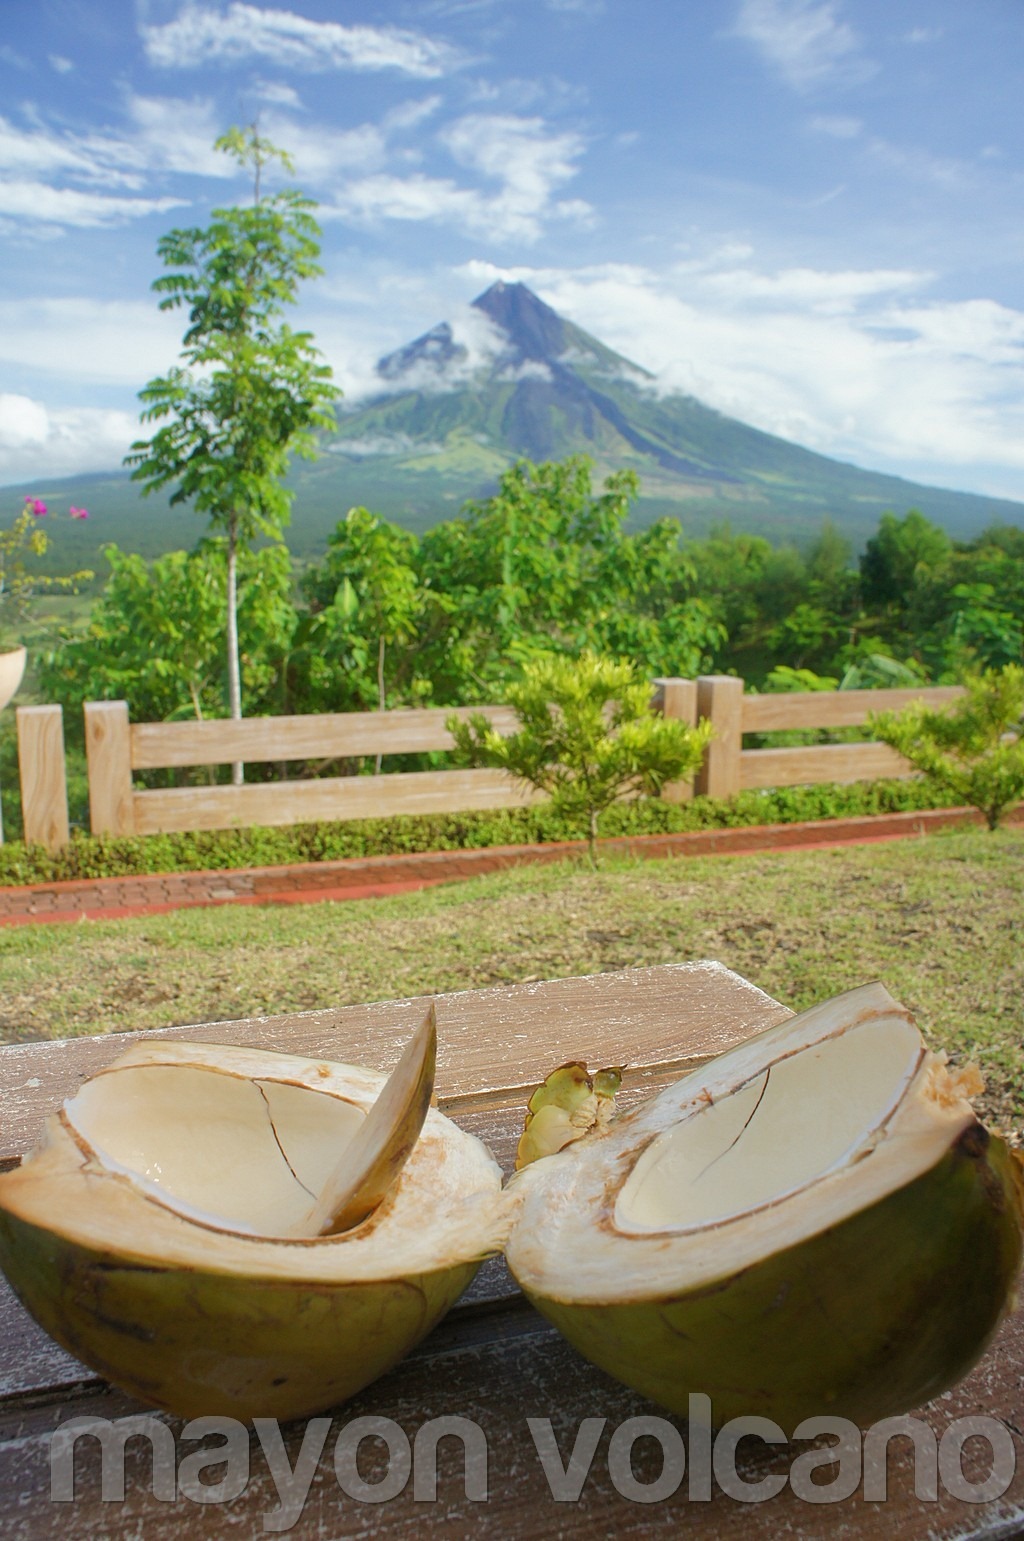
x: 516, y: 380
x: 512, y: 379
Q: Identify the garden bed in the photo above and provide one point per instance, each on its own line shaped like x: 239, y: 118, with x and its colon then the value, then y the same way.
x: 377, y: 876
x: 88, y: 857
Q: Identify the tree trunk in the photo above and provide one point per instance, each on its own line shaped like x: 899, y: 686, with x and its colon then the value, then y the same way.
x: 234, y: 665
x: 592, y: 837
x: 381, y: 695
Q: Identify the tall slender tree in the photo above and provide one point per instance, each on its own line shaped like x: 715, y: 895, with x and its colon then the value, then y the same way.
x: 249, y: 392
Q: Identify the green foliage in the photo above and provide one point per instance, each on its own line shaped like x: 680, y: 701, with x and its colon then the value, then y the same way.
x: 899, y: 555
x: 155, y: 637
x: 19, y: 582
x: 587, y: 737
x: 250, y: 392
x: 365, y: 597
x: 975, y: 749
x: 543, y: 566
x: 877, y: 671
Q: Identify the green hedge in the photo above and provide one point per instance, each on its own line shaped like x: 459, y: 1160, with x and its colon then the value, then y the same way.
x: 89, y: 857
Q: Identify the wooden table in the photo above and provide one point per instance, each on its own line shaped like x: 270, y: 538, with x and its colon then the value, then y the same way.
x: 493, y: 1360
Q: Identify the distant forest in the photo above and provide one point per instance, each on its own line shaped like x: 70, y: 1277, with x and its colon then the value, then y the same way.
x: 385, y: 617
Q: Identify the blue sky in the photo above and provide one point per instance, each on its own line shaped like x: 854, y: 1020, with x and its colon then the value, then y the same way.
x: 808, y: 213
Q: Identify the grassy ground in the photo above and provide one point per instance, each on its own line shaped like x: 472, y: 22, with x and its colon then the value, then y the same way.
x: 939, y: 919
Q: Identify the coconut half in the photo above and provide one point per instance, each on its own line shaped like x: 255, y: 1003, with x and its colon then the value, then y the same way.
x: 165, y: 1230
x: 813, y: 1223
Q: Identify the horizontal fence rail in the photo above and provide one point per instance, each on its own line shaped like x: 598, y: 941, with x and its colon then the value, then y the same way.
x: 729, y: 768
x: 116, y: 748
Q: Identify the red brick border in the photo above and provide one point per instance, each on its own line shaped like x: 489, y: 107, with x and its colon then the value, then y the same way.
x: 375, y: 876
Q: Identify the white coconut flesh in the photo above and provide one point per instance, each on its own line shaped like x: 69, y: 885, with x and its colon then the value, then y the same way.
x: 789, y: 1133
x: 203, y: 1155
x: 226, y: 1151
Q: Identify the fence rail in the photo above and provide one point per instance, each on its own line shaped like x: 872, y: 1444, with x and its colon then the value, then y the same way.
x: 116, y: 748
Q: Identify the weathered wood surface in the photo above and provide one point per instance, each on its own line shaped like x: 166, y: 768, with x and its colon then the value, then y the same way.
x: 108, y: 753
x: 676, y: 698
x: 331, y: 797
x: 836, y: 708
x: 318, y: 736
x: 497, y: 1040
x: 44, y: 793
x: 720, y: 700
x: 819, y: 762
x: 492, y: 1361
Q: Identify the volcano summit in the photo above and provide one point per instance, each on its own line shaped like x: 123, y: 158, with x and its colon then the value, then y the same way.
x: 515, y: 379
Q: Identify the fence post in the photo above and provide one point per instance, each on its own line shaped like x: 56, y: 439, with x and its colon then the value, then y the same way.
x: 109, y: 755
x: 676, y: 698
x: 720, y: 700
x: 44, y: 791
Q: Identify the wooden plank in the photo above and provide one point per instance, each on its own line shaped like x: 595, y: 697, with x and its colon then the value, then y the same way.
x: 108, y: 753
x: 495, y: 1041
x: 325, y: 735
x: 819, y: 762
x: 44, y: 793
x: 334, y: 797
x: 835, y: 708
x: 720, y: 700
x: 676, y: 698
x: 500, y: 1372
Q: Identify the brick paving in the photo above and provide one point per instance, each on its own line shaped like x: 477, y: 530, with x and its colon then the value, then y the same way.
x: 377, y: 876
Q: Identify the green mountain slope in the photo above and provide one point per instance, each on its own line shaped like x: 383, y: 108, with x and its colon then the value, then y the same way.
x: 455, y: 408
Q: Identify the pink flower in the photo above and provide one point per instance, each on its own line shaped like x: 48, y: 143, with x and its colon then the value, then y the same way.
x: 36, y: 506
x: 79, y: 513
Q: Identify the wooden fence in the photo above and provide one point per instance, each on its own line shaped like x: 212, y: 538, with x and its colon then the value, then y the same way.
x: 117, y: 747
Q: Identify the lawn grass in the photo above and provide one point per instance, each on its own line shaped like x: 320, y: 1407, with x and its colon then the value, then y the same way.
x: 938, y: 918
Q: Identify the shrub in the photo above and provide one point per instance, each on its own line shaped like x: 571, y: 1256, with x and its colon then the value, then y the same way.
x: 974, y: 749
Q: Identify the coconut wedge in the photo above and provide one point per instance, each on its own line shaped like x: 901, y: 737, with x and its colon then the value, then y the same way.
x: 164, y: 1232
x: 815, y: 1222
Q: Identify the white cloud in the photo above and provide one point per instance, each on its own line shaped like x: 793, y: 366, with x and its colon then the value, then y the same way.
x: 38, y: 152
x: 200, y: 35
x: 37, y: 441
x: 922, y: 166
x: 37, y: 163
x: 521, y: 152
x: 384, y: 444
x: 837, y: 292
x: 60, y: 64
x: 804, y: 41
x: 277, y: 92
x: 522, y: 155
x: 23, y: 422
x: 529, y: 369
x: 321, y: 154
x: 111, y: 343
x: 174, y: 134
x: 36, y: 202
x: 411, y: 114
x: 449, y: 357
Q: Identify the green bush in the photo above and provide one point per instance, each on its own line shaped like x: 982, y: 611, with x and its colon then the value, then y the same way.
x: 974, y: 750
x: 91, y: 857
x: 586, y: 736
